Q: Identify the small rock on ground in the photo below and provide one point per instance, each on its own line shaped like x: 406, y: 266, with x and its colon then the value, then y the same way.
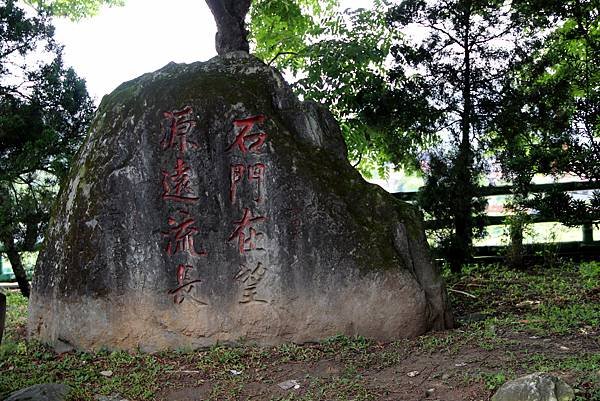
x: 41, y: 392
x: 535, y: 387
x: 115, y: 397
x: 289, y: 384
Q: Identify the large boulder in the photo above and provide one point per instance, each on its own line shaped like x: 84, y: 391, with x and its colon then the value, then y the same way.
x: 209, y: 205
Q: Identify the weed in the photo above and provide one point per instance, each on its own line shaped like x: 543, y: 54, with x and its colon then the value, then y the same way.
x: 562, y: 320
x: 16, y: 315
x: 431, y: 343
x: 590, y: 274
x: 493, y: 380
x: 342, y: 342
x: 579, y: 363
x: 295, y: 353
x: 226, y: 358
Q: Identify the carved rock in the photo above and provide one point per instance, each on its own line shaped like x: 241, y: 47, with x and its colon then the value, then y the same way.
x: 209, y: 205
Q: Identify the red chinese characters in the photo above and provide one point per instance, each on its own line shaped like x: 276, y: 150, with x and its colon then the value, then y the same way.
x: 249, y: 141
x: 246, y: 238
x: 181, y: 235
x: 175, y: 132
x: 256, y: 174
x: 176, y: 184
x: 245, y: 140
x: 235, y: 177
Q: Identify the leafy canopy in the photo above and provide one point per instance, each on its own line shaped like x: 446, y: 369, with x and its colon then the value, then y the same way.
x: 73, y: 9
x: 550, y: 123
x: 44, y: 113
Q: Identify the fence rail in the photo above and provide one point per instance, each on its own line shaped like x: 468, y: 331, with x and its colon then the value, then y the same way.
x: 587, y: 247
x: 492, y: 190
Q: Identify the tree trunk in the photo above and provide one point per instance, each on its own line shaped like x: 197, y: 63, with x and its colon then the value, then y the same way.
x: 231, y: 31
x: 515, y: 252
x: 15, y: 260
x: 464, y: 189
x: 2, y: 314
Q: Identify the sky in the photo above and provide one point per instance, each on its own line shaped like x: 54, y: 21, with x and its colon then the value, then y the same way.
x: 122, y: 43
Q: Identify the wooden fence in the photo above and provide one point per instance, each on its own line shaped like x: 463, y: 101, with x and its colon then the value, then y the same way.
x: 585, y: 249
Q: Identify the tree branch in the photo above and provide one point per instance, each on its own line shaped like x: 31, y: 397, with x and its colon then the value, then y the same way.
x: 280, y: 54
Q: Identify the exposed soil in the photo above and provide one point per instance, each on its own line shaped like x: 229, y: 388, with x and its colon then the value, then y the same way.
x: 400, y: 371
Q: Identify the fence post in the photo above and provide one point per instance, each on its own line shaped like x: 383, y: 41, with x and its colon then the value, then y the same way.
x: 588, y: 233
x: 2, y: 313
x: 515, y: 251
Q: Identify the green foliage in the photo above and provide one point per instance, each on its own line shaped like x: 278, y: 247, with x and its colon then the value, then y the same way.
x: 73, y: 9
x: 33, y: 363
x: 344, y: 70
x: 546, y: 301
x: 16, y: 316
x: 351, y: 344
x: 558, y: 319
x: 283, y: 28
x: 441, y: 198
x: 44, y: 112
x: 494, y: 380
x: 460, y: 66
x: 549, y: 122
x: 338, y: 59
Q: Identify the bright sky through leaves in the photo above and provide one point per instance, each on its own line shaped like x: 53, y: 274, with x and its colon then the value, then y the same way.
x: 122, y: 43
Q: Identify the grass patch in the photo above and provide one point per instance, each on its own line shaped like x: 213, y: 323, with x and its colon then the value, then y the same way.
x: 134, y: 376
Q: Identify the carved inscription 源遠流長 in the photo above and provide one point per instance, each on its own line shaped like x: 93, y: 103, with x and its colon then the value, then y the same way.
x: 181, y: 234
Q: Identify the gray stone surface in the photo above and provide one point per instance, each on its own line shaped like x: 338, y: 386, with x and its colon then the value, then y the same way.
x: 535, y: 387
x: 40, y: 392
x: 62, y: 347
x: 170, y: 233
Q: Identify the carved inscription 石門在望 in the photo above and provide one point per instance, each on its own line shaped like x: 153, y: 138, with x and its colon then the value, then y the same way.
x: 247, y: 236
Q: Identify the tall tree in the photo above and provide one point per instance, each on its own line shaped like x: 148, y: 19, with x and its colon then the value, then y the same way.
x: 44, y: 112
x: 551, y: 121
x: 468, y: 47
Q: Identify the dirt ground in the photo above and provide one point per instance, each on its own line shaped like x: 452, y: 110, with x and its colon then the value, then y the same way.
x: 446, y: 366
